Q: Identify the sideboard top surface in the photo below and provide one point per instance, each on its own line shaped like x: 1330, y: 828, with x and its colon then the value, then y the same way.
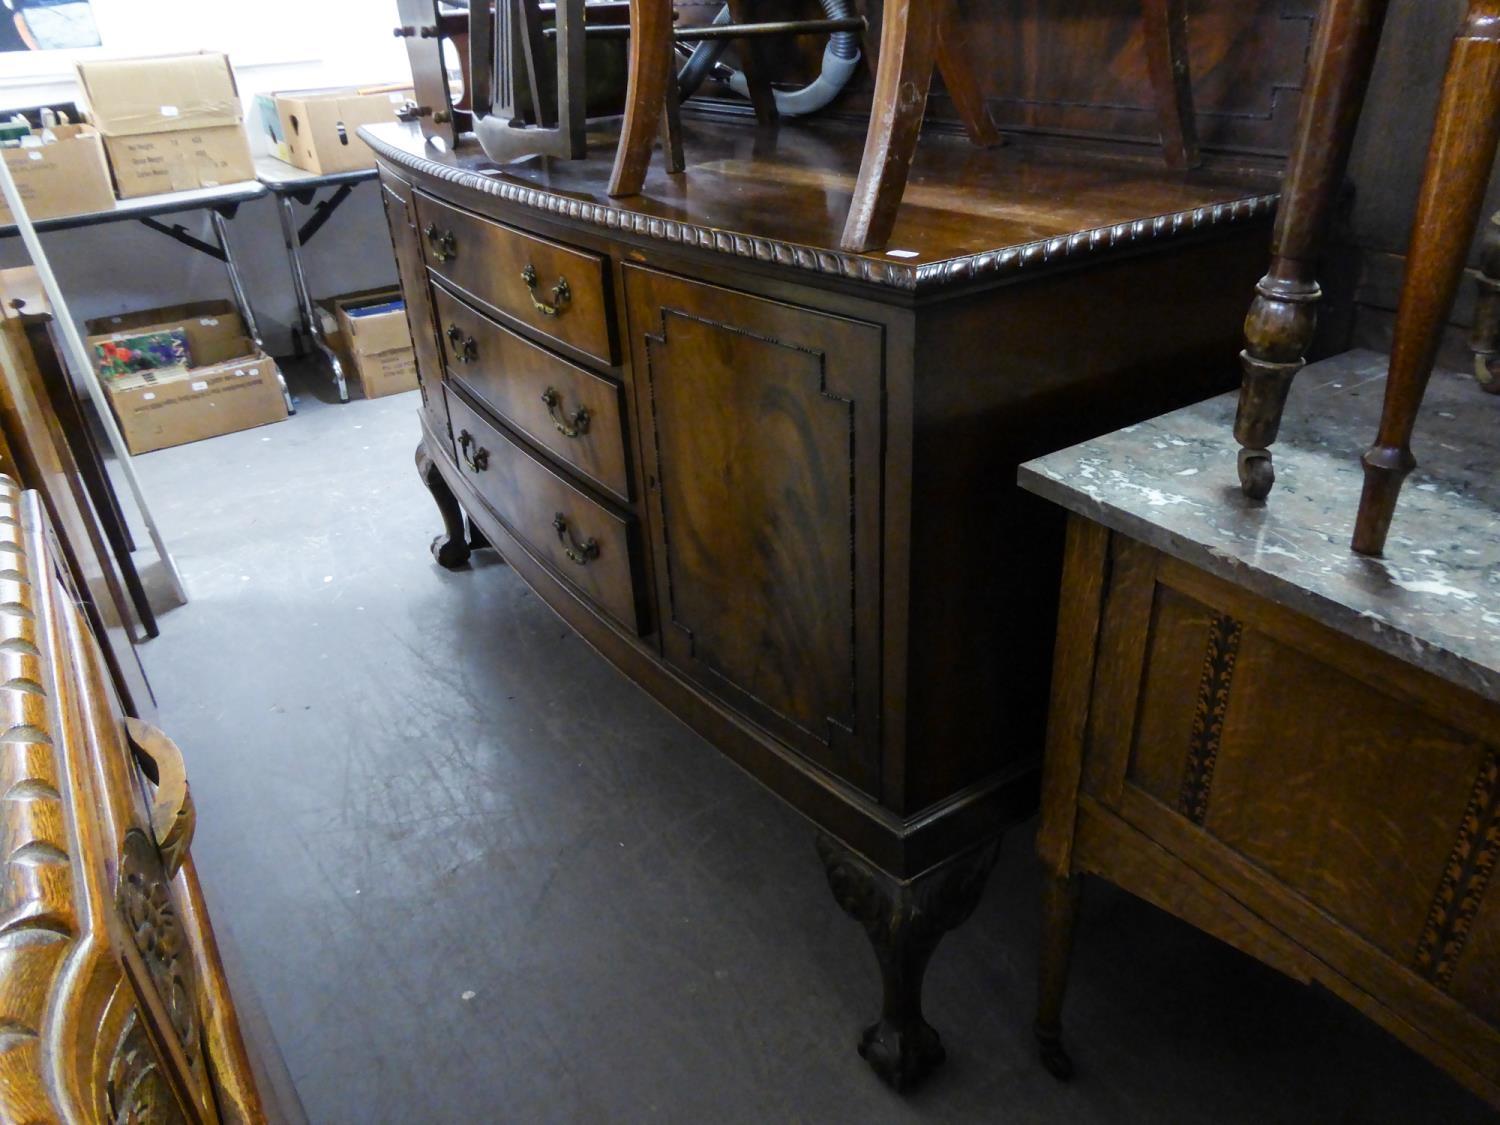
x: 1433, y: 601
x: 781, y: 196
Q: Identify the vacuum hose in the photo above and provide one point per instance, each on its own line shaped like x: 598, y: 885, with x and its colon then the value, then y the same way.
x: 840, y: 58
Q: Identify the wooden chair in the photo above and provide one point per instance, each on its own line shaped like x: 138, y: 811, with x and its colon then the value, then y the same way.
x: 1459, y: 160
x: 915, y: 37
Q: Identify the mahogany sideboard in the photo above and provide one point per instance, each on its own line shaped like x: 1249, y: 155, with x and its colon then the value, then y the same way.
x: 1288, y: 745
x: 772, y: 482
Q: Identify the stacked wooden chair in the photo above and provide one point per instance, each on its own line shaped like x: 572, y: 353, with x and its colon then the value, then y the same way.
x: 916, y: 37
x: 1282, y: 319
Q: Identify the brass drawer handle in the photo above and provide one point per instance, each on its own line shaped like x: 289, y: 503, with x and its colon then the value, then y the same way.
x: 561, y: 294
x: 444, y: 246
x: 581, y: 553
x: 463, y: 348
x: 569, y: 425
x: 480, y: 461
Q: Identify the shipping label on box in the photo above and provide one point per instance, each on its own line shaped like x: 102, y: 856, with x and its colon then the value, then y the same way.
x: 129, y: 97
x: 182, y: 160
x: 66, y: 176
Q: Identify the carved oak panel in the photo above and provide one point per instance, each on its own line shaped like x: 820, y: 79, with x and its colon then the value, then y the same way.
x: 762, y: 447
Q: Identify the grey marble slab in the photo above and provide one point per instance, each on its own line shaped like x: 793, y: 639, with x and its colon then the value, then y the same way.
x: 1433, y: 600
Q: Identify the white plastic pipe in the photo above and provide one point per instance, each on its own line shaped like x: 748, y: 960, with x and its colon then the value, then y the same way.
x: 79, y: 357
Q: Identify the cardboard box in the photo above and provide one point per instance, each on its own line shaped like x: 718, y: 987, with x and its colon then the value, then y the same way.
x: 378, y: 340
x: 320, y: 127
x: 170, y: 123
x: 181, y: 160
x: 66, y: 176
x: 131, y: 97
x: 230, y: 386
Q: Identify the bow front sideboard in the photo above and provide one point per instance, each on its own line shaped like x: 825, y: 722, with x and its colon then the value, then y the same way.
x: 771, y: 481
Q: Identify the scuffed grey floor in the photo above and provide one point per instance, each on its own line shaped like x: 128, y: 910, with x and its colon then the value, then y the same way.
x: 477, y: 876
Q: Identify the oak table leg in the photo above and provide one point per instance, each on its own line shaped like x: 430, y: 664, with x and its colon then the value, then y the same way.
x: 1458, y: 169
x: 1283, y: 317
x: 451, y: 549
x: 1171, y: 79
x: 905, y: 921
x: 1059, y: 910
x: 650, y: 70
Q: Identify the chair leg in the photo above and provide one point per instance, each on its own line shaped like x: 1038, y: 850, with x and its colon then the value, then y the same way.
x: 650, y: 69
x: 756, y: 67
x: 1166, y: 31
x: 908, y: 51
x: 1459, y: 160
x: 1283, y: 317
x: 962, y: 82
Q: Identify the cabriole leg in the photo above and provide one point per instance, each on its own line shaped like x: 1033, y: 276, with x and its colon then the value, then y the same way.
x: 1059, y: 909
x: 1282, y: 318
x: 451, y: 549
x: 905, y: 921
x: 1458, y: 170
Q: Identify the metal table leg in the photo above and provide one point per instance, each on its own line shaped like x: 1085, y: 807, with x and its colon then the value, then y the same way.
x: 310, y: 320
x: 247, y: 314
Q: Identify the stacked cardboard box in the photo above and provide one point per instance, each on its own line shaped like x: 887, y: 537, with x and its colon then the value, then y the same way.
x: 319, y: 128
x: 172, y: 123
x: 374, y: 340
x: 229, y: 386
x: 59, y: 171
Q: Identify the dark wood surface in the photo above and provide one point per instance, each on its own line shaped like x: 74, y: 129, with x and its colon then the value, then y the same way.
x: 836, y: 581
x: 969, y: 215
x: 1327, y: 808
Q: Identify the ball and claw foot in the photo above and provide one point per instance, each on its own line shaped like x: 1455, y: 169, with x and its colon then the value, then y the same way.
x: 902, y: 1058
x: 1257, y: 473
x: 450, y: 553
x: 1054, y: 1056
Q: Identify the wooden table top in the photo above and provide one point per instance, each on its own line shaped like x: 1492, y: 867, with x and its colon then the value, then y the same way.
x: 968, y: 213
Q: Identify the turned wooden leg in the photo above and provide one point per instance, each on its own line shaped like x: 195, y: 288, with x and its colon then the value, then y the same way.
x: 1458, y: 169
x: 1166, y: 32
x: 1059, y: 909
x: 1484, y: 339
x: 650, y: 69
x: 451, y: 549
x: 956, y: 66
x: 908, y: 51
x: 904, y: 922
x: 1283, y: 317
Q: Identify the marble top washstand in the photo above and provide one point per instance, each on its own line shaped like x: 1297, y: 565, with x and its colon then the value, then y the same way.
x: 1433, y: 600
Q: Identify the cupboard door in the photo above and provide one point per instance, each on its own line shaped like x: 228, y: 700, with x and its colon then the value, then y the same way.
x: 761, y: 433
x: 405, y: 239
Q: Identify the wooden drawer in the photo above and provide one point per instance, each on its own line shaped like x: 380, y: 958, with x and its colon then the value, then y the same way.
x: 564, y: 408
x: 552, y: 289
x: 585, y: 542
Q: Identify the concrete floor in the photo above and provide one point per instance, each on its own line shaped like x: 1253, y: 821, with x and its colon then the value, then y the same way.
x: 475, y: 875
